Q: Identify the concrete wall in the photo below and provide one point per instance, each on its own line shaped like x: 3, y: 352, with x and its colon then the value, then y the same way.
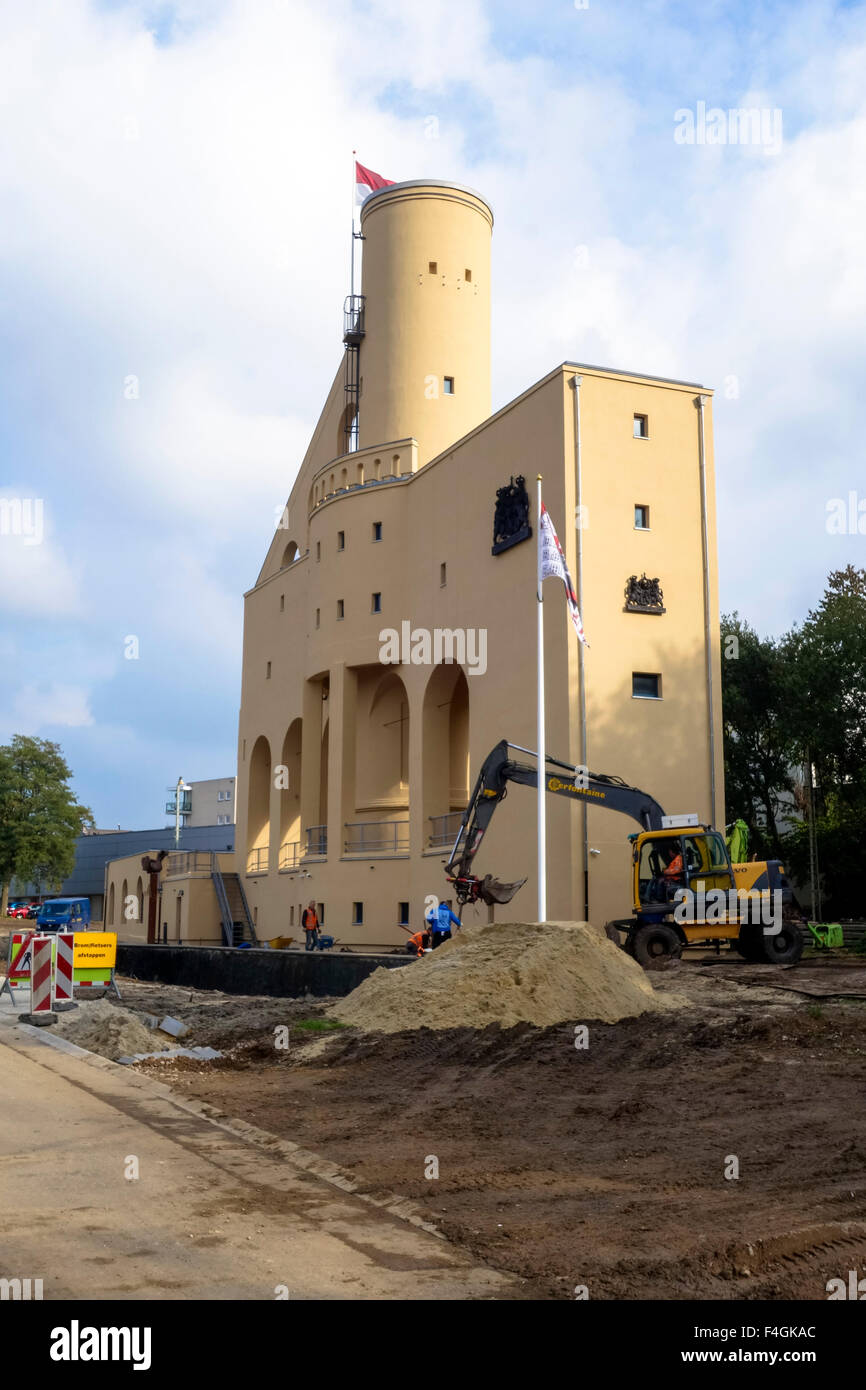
x: 292, y: 974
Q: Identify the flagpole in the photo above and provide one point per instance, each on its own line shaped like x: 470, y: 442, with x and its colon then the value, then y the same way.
x: 542, y: 751
x: 352, y: 238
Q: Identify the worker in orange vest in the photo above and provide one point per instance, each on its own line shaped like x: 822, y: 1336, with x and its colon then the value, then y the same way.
x: 419, y: 943
x: 310, y: 924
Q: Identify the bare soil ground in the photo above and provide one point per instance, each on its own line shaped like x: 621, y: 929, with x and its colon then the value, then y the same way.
x: 602, y: 1167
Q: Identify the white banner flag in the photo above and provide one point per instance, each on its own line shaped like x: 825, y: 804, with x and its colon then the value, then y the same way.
x: 551, y: 564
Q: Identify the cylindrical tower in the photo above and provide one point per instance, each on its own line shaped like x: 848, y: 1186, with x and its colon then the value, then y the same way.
x: 425, y: 357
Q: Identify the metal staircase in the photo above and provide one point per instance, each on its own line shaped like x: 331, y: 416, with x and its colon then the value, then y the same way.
x: 235, y: 913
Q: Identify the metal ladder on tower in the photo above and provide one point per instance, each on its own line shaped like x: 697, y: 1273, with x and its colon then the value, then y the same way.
x: 353, y: 335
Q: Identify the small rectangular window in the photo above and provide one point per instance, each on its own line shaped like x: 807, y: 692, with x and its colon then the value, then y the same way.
x: 403, y: 915
x: 318, y: 617
x: 443, y: 575
x: 645, y: 686
x: 318, y: 550
x: 433, y: 267
x: 377, y: 530
x: 341, y: 540
x: 467, y: 276
x: 641, y: 517
x: 449, y: 386
x: 268, y: 675
x: 282, y: 603
x: 641, y: 427
x: 292, y: 915
x: 377, y: 603
x: 341, y: 610
x: 357, y: 914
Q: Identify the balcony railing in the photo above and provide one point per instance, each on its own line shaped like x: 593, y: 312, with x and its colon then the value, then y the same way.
x: 257, y: 860
x: 316, y: 840
x: 185, y: 806
x: 290, y: 856
x: 443, y: 830
x: 377, y: 836
x: 198, y: 861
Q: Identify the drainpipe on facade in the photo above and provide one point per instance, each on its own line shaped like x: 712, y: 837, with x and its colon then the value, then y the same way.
x: 700, y: 402
x: 575, y: 386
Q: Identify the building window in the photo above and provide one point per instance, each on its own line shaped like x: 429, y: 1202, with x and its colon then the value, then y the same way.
x: 321, y: 913
x: 641, y: 517
x: 377, y: 530
x: 318, y: 617
x: 228, y: 795
x: 357, y: 914
x: 645, y: 686
x: 641, y: 427
x: 403, y: 915
x: 443, y: 575
x: 318, y: 551
x: 341, y: 540
x: 467, y: 276
x: 341, y: 610
x: 433, y: 267
x: 292, y: 915
x: 377, y: 603
x: 449, y: 386
x: 268, y: 675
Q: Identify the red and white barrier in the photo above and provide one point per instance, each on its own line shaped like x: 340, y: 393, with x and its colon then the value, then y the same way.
x: 63, y: 976
x: 41, y: 978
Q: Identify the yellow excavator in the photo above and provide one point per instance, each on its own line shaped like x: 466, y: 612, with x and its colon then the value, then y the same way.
x: 722, y: 901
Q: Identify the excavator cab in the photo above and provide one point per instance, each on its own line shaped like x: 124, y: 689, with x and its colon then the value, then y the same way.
x: 666, y: 860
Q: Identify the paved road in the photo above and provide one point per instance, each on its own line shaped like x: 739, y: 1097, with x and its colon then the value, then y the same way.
x: 210, y: 1216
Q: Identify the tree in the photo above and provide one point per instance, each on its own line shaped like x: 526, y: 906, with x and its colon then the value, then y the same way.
x: 757, y: 737
x: 40, y: 818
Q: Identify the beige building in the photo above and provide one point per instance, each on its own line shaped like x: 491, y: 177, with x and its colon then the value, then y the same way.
x: 352, y: 769
x: 197, y: 899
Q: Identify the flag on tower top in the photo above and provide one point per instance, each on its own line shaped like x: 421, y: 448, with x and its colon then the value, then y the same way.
x: 367, y: 182
x: 551, y: 565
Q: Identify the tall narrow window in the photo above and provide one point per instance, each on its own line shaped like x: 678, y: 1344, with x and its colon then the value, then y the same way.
x: 641, y: 427
x: 357, y: 914
x: 282, y: 603
x: 341, y: 610
x: 433, y: 267
x: 377, y: 603
x: 641, y: 517
x: 341, y: 540
x: 268, y: 673
x: 377, y: 530
x: 318, y: 550
x: 403, y: 914
x: 467, y: 276
x: 443, y: 575
x: 318, y: 617
x: 449, y: 386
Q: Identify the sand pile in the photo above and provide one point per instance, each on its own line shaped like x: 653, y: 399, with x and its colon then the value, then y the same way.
x: 506, y: 973
x: 109, y: 1029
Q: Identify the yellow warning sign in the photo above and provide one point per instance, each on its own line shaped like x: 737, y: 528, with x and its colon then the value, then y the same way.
x: 94, y: 950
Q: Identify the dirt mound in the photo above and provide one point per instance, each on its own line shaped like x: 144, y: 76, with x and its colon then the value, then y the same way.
x: 109, y: 1029
x: 508, y: 973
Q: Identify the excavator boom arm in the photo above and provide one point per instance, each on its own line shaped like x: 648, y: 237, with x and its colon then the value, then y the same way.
x: 563, y: 779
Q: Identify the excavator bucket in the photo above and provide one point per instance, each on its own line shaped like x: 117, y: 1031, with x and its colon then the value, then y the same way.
x: 492, y: 891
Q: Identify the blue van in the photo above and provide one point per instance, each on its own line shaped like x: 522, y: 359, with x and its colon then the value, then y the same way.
x: 64, y: 914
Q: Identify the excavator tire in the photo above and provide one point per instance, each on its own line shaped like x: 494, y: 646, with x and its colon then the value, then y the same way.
x: 651, y: 944
x: 750, y: 943
x: 786, y: 947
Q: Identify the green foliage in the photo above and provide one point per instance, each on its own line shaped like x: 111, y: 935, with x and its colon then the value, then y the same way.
x: 797, y: 700
x: 40, y: 817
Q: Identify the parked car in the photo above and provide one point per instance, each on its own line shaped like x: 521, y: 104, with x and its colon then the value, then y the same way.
x: 32, y: 910
x: 19, y: 911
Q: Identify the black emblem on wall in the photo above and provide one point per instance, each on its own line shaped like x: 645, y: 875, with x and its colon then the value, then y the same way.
x: 644, y: 595
x: 511, y: 517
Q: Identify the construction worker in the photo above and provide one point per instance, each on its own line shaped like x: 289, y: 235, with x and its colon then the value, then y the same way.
x: 419, y: 943
x: 310, y: 924
x: 439, y: 920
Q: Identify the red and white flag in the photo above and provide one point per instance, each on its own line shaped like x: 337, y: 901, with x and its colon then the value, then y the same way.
x: 366, y: 182
x: 551, y: 565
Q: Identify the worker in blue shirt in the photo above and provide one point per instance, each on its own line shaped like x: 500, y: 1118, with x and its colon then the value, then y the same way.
x: 439, y: 920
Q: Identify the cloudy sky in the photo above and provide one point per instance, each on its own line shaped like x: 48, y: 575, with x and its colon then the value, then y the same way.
x: 174, y: 208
